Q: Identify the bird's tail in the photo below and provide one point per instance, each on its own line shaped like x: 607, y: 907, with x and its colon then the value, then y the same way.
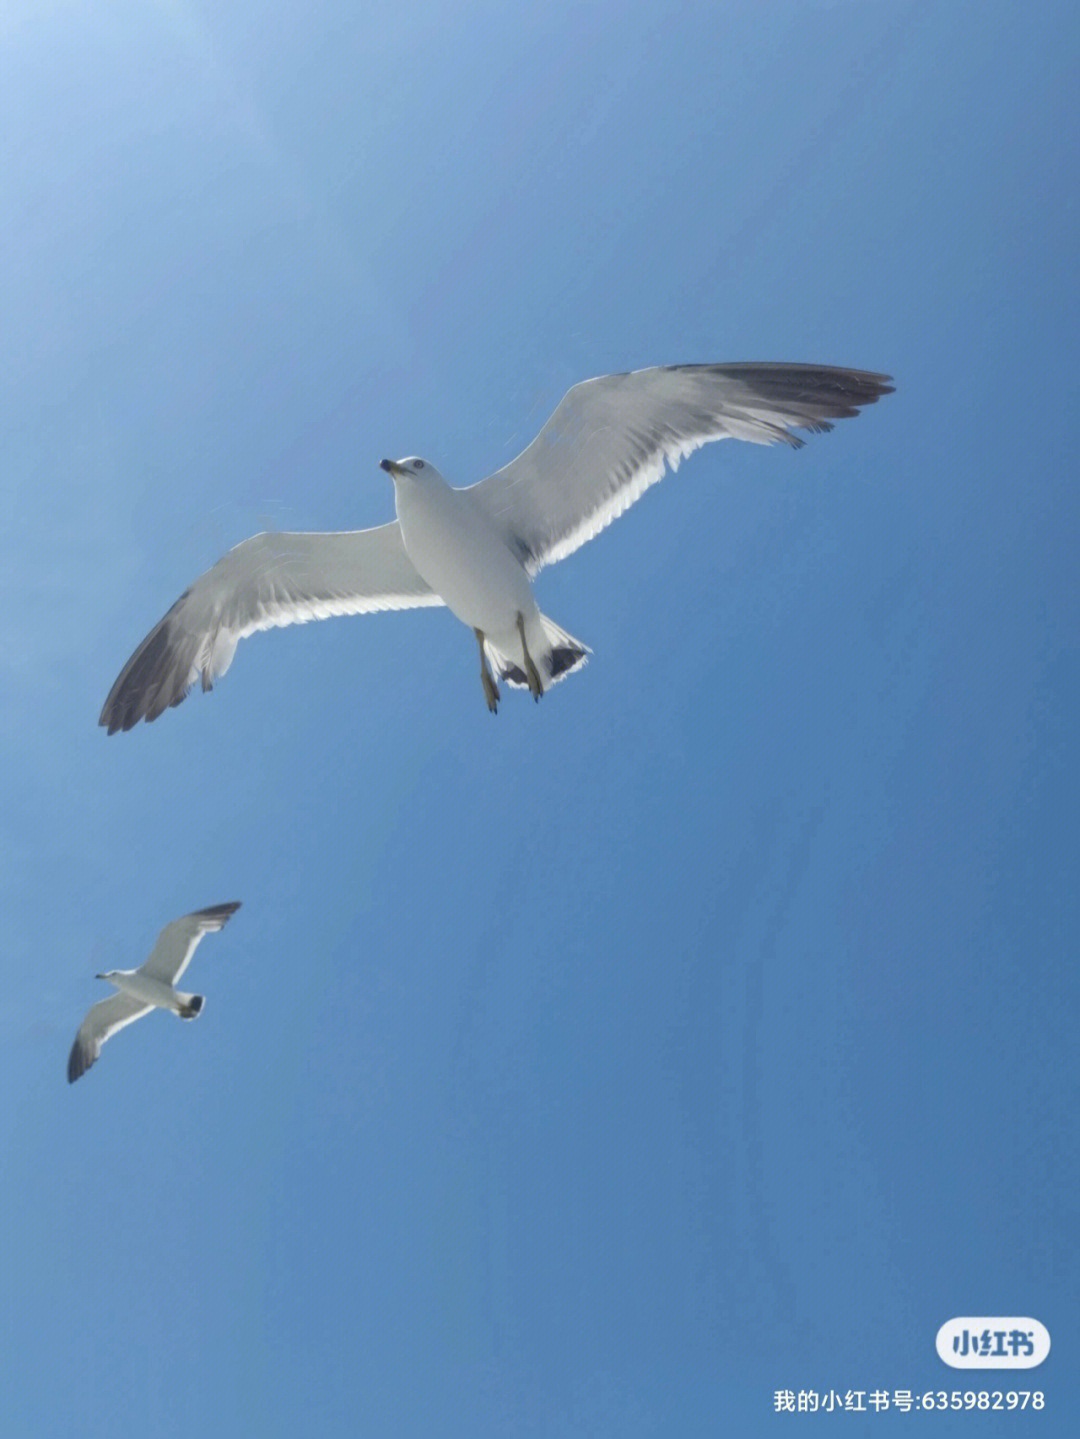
x: 190, y: 1005
x: 559, y: 655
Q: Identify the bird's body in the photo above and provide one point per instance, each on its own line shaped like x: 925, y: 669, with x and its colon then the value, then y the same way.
x: 460, y: 553
x: 152, y: 993
x: 477, y: 550
x: 151, y: 986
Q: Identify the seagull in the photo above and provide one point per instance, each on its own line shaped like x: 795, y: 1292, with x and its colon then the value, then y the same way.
x: 151, y: 986
x: 477, y: 550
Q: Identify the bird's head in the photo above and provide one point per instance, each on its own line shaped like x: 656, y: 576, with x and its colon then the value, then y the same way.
x: 106, y: 974
x: 410, y: 468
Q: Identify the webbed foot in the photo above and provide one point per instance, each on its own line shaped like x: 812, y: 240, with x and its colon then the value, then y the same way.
x: 487, y: 679
x: 532, y: 674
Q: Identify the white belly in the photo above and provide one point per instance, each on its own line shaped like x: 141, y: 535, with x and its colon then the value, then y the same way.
x: 463, y: 558
x: 150, y: 991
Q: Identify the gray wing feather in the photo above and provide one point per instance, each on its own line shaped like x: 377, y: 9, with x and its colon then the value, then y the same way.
x: 267, y: 581
x: 178, y: 941
x: 610, y: 438
x: 102, y: 1021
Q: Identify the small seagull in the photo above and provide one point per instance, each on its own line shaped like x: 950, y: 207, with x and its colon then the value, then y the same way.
x: 151, y: 986
x: 477, y: 550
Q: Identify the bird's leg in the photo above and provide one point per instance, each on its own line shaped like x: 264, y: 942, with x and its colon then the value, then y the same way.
x: 487, y: 679
x: 532, y: 674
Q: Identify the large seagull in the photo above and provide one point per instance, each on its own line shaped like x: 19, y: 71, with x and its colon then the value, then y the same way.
x: 477, y: 550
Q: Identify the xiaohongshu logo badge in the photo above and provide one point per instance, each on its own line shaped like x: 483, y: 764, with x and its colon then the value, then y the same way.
x: 993, y: 1343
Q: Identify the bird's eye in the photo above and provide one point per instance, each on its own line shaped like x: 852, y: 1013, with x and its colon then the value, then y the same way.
x: 419, y: 464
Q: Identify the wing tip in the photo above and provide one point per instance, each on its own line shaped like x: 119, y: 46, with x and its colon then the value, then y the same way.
x: 219, y: 914
x: 157, y: 677
x: 79, y: 1061
x: 860, y: 387
x: 131, y: 705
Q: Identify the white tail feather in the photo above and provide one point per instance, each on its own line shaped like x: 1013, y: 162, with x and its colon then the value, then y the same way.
x: 561, y: 656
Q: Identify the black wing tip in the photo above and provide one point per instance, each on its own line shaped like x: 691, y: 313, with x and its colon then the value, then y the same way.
x: 223, y: 912
x: 78, y: 1062
x: 154, y: 679
x: 112, y: 718
x: 117, y: 721
x: 860, y: 386
x: 815, y: 395
x: 132, y: 705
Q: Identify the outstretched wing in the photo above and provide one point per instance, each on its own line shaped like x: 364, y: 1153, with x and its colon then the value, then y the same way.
x: 610, y: 438
x: 102, y: 1021
x: 177, y: 942
x: 269, y: 580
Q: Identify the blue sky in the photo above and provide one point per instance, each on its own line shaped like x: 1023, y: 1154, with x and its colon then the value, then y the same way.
x: 706, y: 1030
